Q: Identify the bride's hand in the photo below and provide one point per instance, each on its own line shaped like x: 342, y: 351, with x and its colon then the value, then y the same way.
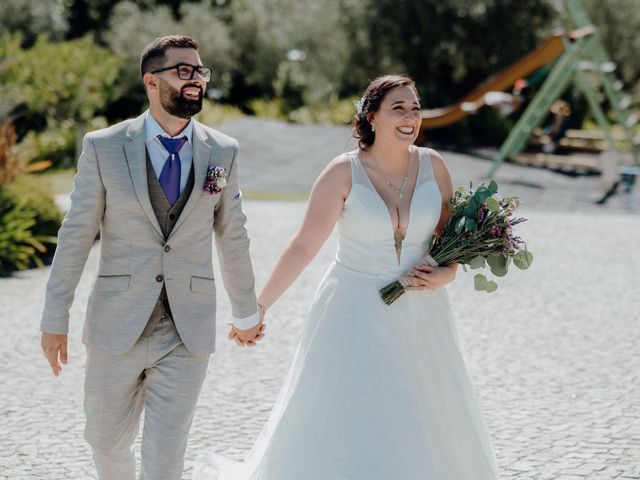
x: 425, y: 277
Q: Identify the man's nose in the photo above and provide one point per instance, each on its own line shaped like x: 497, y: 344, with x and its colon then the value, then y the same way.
x: 198, y: 77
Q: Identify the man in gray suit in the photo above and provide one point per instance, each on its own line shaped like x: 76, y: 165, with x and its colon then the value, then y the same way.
x: 157, y: 187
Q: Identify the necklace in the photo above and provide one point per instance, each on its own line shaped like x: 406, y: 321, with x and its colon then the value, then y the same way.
x: 405, y: 180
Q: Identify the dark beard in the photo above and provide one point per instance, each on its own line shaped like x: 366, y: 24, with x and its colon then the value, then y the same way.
x: 176, y: 104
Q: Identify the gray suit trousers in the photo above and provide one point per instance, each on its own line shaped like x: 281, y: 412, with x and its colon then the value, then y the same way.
x: 158, y: 374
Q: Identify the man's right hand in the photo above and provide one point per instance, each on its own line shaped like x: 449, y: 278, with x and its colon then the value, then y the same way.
x: 54, y: 348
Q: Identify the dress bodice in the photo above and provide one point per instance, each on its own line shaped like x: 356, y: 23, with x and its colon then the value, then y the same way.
x: 366, y: 234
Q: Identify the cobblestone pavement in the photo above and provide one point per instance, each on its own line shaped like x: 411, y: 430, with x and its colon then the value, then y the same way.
x: 554, y: 355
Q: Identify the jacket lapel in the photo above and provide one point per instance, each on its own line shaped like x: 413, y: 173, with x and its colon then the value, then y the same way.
x: 201, y: 153
x: 134, y: 150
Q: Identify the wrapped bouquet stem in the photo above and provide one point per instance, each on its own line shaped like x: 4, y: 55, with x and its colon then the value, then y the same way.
x: 478, y: 234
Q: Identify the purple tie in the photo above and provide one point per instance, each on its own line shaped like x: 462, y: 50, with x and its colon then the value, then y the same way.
x: 170, y: 175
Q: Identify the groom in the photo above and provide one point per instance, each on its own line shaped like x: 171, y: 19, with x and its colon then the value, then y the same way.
x: 156, y: 187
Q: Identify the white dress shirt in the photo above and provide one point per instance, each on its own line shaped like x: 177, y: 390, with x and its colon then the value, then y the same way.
x: 158, y: 155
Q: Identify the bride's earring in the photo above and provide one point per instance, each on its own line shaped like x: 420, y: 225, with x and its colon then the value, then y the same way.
x: 373, y: 127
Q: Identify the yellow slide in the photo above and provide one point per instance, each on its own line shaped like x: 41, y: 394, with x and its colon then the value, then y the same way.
x: 546, y: 53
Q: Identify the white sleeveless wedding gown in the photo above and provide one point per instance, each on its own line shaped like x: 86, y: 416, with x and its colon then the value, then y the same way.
x: 375, y: 392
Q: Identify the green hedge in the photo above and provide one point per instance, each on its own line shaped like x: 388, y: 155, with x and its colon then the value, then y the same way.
x: 29, y: 222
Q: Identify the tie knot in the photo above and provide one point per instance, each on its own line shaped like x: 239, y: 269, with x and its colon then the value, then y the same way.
x: 172, y: 145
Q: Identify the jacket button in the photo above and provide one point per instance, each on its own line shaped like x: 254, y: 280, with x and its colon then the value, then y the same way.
x: 159, y: 279
x: 167, y: 248
x: 172, y: 216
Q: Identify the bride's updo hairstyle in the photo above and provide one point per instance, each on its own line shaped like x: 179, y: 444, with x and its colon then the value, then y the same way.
x: 370, y: 102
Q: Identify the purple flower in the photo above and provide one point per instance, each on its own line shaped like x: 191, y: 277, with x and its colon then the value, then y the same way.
x: 482, y: 213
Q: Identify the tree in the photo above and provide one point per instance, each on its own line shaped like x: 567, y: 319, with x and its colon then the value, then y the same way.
x: 61, y: 80
x: 31, y: 18
x: 449, y: 47
x: 292, y: 48
x: 618, y: 23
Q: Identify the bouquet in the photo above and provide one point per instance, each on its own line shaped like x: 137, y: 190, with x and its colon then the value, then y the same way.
x: 479, y: 233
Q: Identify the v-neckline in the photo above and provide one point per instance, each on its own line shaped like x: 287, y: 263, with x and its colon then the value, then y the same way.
x: 377, y: 193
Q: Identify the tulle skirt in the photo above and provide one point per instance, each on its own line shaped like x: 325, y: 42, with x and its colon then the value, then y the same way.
x: 375, y: 392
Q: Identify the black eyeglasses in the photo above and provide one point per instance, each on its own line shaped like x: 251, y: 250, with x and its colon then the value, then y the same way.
x: 187, y: 72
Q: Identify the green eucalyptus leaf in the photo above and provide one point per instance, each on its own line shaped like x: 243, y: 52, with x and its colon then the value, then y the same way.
x: 491, y: 286
x: 493, y: 187
x: 460, y: 225
x: 480, y: 282
x: 470, y: 224
x: 492, y: 204
x: 471, y: 209
x: 498, y: 265
x: 477, y: 262
x: 482, y: 194
x: 523, y: 259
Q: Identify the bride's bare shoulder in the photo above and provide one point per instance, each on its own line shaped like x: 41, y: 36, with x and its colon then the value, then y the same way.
x: 339, y: 169
x: 337, y: 174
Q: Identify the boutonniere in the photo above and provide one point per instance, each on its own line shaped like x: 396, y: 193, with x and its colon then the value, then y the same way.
x: 215, y: 180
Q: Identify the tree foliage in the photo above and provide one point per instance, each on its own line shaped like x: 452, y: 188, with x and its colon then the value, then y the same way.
x: 31, y: 18
x: 62, y: 80
x: 618, y: 23
x: 449, y: 47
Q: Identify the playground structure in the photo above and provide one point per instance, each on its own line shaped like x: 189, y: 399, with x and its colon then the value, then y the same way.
x: 578, y: 57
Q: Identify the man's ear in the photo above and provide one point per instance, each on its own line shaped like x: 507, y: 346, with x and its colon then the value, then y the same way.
x: 149, y: 81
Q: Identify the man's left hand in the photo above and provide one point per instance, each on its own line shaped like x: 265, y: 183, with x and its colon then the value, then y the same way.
x: 248, y: 337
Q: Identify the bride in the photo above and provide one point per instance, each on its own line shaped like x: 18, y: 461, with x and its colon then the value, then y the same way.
x: 375, y: 392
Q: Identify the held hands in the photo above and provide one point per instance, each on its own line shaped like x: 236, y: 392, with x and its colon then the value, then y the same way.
x: 249, y: 337
x: 54, y: 348
x: 425, y: 277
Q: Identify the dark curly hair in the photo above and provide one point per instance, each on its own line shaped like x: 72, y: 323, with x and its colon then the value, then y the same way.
x: 371, y: 100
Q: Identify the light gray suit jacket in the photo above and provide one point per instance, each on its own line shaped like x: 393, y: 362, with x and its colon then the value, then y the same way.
x: 110, y: 193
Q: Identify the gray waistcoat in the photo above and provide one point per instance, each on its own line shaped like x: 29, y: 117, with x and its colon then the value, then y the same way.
x: 167, y: 216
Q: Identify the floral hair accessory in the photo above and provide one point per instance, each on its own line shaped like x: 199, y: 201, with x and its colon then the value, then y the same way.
x: 215, y: 180
x: 359, y: 104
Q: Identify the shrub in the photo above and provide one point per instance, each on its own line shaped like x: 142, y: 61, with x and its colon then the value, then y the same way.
x: 213, y: 114
x: 29, y: 221
x: 61, y: 80
x: 19, y: 246
x: 335, y: 111
x: 58, y: 141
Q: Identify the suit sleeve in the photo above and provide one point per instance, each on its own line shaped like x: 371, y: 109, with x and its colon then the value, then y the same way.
x: 75, y: 239
x: 232, y: 244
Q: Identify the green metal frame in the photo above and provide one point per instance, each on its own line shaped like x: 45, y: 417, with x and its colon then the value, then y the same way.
x: 566, y: 70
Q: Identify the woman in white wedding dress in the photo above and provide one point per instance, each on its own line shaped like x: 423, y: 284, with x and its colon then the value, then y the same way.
x: 375, y: 392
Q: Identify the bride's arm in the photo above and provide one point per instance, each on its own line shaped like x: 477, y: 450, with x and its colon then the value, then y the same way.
x: 323, y: 210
